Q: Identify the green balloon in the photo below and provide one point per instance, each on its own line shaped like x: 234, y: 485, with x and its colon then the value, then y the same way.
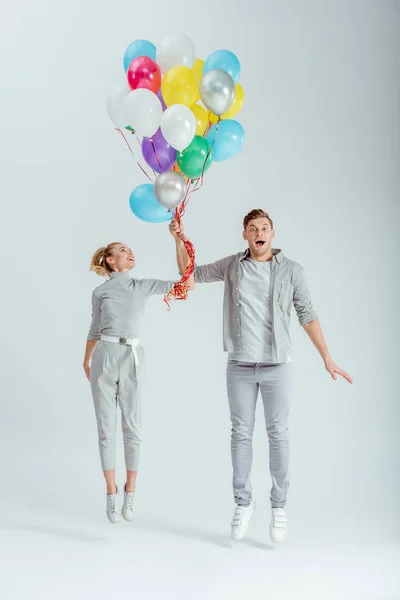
x: 191, y: 160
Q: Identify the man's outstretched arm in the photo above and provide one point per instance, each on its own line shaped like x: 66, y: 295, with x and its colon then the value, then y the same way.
x: 309, y: 321
x: 314, y: 331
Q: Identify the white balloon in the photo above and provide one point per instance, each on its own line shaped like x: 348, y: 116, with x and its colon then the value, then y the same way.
x: 178, y: 126
x: 175, y: 50
x: 115, y: 106
x: 144, y: 111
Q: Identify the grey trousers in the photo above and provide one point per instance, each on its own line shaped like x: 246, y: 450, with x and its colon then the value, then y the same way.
x: 115, y: 380
x: 244, y: 380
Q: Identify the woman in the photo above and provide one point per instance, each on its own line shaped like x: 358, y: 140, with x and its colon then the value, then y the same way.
x: 113, y: 363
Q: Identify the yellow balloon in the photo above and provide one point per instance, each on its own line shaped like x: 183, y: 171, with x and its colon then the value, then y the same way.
x: 197, y: 71
x: 179, y: 87
x: 212, y: 118
x: 236, y: 105
x: 201, y: 118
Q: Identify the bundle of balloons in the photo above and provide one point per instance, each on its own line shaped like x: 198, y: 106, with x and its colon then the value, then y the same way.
x: 183, y: 108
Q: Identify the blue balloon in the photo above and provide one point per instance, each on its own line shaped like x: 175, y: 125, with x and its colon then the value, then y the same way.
x: 145, y: 205
x: 225, y: 61
x: 138, y: 48
x: 228, y: 139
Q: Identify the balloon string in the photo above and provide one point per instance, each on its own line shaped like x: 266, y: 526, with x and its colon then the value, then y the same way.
x: 155, y: 153
x: 131, y: 151
x: 209, y: 151
x: 180, y: 290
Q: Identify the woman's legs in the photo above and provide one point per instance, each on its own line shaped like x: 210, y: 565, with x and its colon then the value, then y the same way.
x: 109, y: 476
x: 130, y: 486
x: 130, y: 402
x: 104, y: 377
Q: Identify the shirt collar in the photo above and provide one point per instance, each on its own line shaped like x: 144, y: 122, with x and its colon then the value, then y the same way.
x: 121, y: 275
x: 277, y: 254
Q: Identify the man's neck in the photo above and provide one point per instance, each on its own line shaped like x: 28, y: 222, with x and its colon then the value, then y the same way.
x: 268, y: 256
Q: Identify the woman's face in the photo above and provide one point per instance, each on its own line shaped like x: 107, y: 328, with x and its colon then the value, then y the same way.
x: 121, y: 259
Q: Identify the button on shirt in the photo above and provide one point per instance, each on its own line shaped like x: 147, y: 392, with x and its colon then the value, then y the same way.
x: 254, y: 312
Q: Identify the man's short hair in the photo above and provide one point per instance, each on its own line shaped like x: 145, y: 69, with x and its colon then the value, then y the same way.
x: 256, y: 213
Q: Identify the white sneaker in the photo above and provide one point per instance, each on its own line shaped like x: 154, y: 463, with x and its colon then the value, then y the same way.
x: 278, y: 527
x: 241, y: 519
x: 127, y: 508
x: 113, y: 509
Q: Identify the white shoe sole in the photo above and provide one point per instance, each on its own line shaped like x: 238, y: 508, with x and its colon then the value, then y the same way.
x: 237, y: 537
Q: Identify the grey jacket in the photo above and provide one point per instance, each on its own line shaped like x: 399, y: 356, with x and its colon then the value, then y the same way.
x: 288, y: 287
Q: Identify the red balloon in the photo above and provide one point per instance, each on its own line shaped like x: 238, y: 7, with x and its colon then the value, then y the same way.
x: 144, y: 72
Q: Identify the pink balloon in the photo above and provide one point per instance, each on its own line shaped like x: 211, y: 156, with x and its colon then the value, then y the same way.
x: 144, y: 72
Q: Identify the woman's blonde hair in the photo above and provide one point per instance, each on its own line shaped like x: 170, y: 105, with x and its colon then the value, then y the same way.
x: 99, y: 262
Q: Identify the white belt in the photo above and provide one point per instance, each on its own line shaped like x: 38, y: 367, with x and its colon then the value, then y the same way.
x: 133, y: 343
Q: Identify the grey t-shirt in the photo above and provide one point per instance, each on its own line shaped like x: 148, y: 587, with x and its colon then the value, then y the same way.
x: 118, y: 305
x: 254, y: 310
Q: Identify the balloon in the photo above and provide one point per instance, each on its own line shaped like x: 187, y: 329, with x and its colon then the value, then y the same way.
x: 235, y: 108
x: 138, y: 48
x: 144, y: 205
x: 115, y: 106
x: 217, y: 91
x: 158, y: 154
x: 198, y: 70
x: 170, y: 189
x: 198, y: 74
x: 200, y: 114
x: 161, y: 99
x: 228, y: 139
x: 143, y: 72
x: 144, y: 112
x: 224, y: 61
x: 178, y: 126
x: 236, y: 105
x: 192, y: 160
x: 175, y: 50
x: 179, y: 87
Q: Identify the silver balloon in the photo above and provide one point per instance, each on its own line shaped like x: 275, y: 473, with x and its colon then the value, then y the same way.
x: 170, y: 189
x: 217, y: 91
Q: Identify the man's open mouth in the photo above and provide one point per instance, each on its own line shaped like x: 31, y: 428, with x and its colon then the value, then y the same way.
x: 260, y: 243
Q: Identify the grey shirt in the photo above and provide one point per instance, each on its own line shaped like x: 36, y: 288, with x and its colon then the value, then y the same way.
x: 118, y: 305
x: 255, y: 314
x: 288, y: 288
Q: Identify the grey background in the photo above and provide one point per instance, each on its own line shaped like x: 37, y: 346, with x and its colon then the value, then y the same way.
x: 321, y: 155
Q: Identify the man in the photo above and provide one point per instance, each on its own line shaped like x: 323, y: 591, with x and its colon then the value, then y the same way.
x: 261, y: 285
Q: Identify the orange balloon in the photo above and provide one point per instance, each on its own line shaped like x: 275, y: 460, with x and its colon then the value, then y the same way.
x: 177, y: 169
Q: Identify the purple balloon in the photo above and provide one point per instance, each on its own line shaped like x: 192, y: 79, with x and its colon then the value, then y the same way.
x: 161, y: 99
x: 158, y: 154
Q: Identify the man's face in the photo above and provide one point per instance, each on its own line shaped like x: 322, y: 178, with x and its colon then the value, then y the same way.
x: 259, y: 235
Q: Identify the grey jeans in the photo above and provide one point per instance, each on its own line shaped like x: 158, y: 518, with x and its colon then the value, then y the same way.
x: 244, y: 380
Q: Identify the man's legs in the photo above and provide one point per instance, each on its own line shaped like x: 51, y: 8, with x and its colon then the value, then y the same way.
x: 242, y: 390
x: 275, y: 385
